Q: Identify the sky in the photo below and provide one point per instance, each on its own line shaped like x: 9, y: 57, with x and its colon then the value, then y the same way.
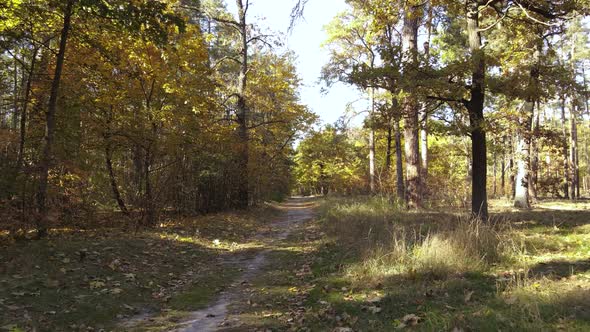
x: 305, y: 40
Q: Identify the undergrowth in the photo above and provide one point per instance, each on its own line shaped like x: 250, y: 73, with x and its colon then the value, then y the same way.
x: 390, y: 243
x: 435, y: 270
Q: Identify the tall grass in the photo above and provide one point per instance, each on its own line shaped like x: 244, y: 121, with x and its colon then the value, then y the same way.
x: 393, y: 242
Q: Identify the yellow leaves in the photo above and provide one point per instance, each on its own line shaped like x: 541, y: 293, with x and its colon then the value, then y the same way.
x: 209, y: 37
x: 408, y: 321
x: 116, y: 291
x: 8, y: 19
x: 96, y: 284
x: 129, y: 276
x: 114, y: 264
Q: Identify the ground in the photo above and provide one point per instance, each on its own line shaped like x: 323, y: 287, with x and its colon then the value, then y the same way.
x: 305, y: 265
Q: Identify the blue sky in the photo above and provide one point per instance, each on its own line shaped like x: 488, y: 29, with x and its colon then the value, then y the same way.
x: 305, y: 40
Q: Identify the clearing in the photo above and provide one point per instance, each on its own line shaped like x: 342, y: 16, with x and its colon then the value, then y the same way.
x: 336, y: 264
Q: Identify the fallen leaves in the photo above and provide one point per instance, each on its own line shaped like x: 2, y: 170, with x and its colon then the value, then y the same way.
x: 114, y: 264
x: 116, y: 291
x: 374, y: 310
x: 510, y: 300
x: 468, y: 296
x: 408, y: 321
x: 96, y: 284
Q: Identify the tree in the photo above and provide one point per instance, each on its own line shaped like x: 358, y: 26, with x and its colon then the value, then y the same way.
x: 44, y: 163
x: 411, y: 108
x: 352, y: 43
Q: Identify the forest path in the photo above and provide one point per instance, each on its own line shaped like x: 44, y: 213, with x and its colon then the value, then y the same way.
x: 215, y: 316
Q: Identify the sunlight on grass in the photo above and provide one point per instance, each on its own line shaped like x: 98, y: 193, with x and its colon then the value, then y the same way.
x: 215, y: 244
x: 94, y: 278
x: 392, y: 247
x: 525, y: 270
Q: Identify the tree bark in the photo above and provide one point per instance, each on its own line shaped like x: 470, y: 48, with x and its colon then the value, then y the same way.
x: 424, y: 149
x: 149, y: 196
x: 495, y: 173
x: 113, y: 179
x: 24, y: 110
x: 574, y: 190
x: 534, y: 149
x: 424, y: 112
x: 243, y: 185
x: 565, y: 153
x: 503, y: 174
x: 46, y: 157
x: 372, y: 145
x: 109, y: 164
x: 15, y: 114
x: 479, y: 200
x: 388, y: 147
x: 411, y: 110
x: 399, y: 160
x: 521, y: 196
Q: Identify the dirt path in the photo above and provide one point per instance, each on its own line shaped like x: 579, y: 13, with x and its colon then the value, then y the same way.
x: 215, y: 316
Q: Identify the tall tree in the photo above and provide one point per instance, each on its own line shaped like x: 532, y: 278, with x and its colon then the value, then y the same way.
x: 46, y: 156
x: 475, y: 105
x: 410, y: 104
x: 352, y: 43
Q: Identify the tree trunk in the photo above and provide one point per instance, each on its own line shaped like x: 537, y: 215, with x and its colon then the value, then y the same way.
x: 243, y: 185
x: 469, y: 177
x: 372, y: 160
x: 503, y: 174
x: 565, y: 153
x: 399, y: 160
x: 109, y: 165
x: 495, y: 173
x: 372, y: 144
x: 149, y: 196
x: 15, y: 114
x: 525, y: 142
x: 511, y: 182
x: 388, y: 147
x: 424, y: 113
x: 411, y: 110
x: 113, y: 179
x: 534, y: 150
x: 424, y: 148
x: 574, y: 190
x: 479, y: 199
x: 586, y: 92
x: 24, y: 110
x: 521, y: 196
x: 46, y: 157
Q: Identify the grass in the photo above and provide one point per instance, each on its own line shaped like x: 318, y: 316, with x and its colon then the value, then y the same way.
x: 97, y: 278
x: 364, y: 264
x: 382, y: 268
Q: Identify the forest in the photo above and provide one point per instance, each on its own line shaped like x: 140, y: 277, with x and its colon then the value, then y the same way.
x: 162, y: 170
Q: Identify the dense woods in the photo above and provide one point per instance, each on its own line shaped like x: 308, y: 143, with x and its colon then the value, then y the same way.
x: 161, y: 171
x: 146, y: 107
x: 142, y: 107
x: 487, y: 95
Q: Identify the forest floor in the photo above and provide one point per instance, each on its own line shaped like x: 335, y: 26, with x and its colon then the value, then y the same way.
x: 279, y: 269
x: 103, y: 278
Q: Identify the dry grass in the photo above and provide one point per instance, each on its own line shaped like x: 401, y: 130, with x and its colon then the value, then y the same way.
x: 397, y: 243
x: 524, y: 270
